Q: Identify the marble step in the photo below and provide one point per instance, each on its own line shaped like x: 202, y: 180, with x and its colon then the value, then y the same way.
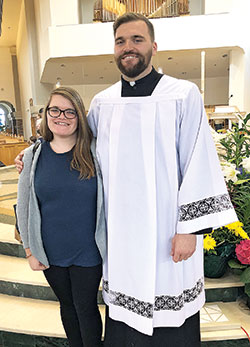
x: 30, y: 323
x: 226, y: 288
x: 8, y: 244
x: 17, y: 279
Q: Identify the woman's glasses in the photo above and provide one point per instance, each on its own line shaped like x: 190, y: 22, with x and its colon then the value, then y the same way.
x: 55, y: 112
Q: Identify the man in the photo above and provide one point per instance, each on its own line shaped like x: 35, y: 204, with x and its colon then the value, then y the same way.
x: 163, y: 187
x: 162, y: 184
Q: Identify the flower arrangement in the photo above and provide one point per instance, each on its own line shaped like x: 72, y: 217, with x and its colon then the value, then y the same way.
x: 242, y: 262
x: 219, y: 247
x: 223, y: 240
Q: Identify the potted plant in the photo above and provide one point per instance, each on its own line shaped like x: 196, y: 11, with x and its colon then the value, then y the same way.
x: 219, y: 247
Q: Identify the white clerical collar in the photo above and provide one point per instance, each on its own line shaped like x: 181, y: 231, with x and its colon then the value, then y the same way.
x: 132, y: 83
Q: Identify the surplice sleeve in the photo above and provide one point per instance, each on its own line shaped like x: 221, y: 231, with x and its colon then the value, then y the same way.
x: 203, y: 199
x: 93, y: 116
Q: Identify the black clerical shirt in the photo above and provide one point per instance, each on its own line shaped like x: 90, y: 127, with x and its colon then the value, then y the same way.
x: 142, y: 87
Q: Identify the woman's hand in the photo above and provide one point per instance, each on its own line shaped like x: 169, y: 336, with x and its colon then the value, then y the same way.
x: 18, y: 162
x: 35, y: 264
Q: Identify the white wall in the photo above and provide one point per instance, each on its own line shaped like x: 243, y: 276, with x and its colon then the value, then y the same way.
x: 86, y: 11
x: 88, y: 92
x: 216, y: 90
x: 6, y: 76
x: 241, y: 20
x: 196, y: 7
x: 237, y: 77
x: 24, y: 62
x: 218, y: 6
x: 247, y: 81
x: 64, y: 12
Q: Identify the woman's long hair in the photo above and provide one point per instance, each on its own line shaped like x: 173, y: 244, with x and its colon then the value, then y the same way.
x: 82, y: 158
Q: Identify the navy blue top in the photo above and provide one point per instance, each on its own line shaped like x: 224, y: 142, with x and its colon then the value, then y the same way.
x: 68, y: 210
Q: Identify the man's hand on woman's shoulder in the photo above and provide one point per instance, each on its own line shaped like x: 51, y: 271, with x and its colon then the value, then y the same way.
x: 18, y: 162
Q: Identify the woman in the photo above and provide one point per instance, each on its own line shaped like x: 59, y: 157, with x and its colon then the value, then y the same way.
x: 61, y: 217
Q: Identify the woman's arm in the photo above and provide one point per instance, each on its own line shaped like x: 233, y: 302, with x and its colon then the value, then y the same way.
x: 35, y: 264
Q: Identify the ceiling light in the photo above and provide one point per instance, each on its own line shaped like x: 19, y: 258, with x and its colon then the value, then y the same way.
x: 224, y: 55
x: 58, y: 83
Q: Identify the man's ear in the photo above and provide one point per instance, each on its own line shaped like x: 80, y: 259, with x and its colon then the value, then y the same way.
x: 154, y: 48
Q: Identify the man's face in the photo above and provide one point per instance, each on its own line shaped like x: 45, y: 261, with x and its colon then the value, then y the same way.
x: 134, y: 49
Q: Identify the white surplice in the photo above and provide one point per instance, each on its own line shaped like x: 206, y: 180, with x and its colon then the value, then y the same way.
x: 161, y: 176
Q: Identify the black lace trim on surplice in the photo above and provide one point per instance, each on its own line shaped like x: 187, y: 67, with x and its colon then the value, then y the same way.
x: 204, y: 207
x: 162, y: 302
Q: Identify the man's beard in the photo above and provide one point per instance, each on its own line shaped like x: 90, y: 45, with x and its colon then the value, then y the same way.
x: 137, y: 69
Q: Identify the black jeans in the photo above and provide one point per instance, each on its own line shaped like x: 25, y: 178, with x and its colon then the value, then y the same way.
x: 76, y: 288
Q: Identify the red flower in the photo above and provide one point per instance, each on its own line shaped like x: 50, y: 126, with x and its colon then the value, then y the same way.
x: 242, y: 251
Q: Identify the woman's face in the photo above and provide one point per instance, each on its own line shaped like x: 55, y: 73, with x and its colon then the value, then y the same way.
x: 62, y: 126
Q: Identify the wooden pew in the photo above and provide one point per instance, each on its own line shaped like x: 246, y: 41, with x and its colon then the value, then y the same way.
x: 9, y: 151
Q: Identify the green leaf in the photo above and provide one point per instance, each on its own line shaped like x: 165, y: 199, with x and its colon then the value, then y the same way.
x: 235, y: 264
x: 246, y: 118
x: 241, y: 181
x: 245, y: 276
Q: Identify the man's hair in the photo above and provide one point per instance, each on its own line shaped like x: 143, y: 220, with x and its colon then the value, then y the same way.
x: 82, y: 159
x: 134, y: 17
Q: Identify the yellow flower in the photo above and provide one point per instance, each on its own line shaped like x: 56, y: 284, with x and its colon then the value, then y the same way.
x: 236, y: 228
x: 240, y: 232
x: 209, y: 243
x: 234, y: 225
x: 243, y: 234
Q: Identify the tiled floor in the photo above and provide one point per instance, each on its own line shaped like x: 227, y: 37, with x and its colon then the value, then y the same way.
x: 212, y: 313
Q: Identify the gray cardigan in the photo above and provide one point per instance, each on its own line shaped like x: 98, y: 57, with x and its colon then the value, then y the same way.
x: 28, y: 213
